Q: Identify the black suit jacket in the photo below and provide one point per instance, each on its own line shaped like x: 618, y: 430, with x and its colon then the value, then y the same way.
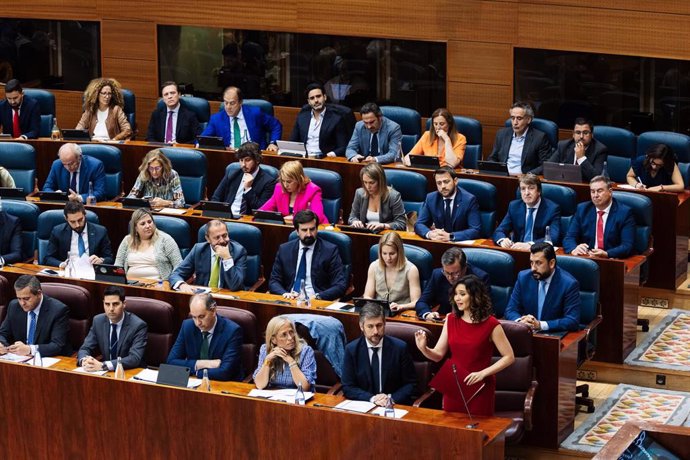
x: 187, y: 126
x: 535, y: 152
x: 332, y: 135
x: 52, y: 327
x: 261, y: 191
x: 61, y: 237
x: 29, y: 117
x: 596, y: 154
x: 131, y: 342
x: 10, y: 238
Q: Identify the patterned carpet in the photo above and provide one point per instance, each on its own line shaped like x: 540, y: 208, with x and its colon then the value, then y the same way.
x: 667, y: 346
x: 628, y: 402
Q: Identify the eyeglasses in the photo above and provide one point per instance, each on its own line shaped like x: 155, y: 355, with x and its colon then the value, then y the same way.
x: 658, y: 165
x: 452, y: 275
x: 155, y: 168
x: 582, y: 133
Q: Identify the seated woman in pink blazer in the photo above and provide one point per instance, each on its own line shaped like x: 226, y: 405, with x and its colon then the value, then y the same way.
x: 295, y: 192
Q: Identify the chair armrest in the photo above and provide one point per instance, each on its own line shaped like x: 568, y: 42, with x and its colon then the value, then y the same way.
x: 529, y: 401
x: 258, y: 282
x: 425, y: 397
x: 335, y: 389
x: 248, y: 379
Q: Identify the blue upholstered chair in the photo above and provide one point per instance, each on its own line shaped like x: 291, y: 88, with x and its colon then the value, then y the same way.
x: 348, y: 117
x: 411, y: 185
x: 264, y: 105
x: 191, y: 165
x: 548, y: 127
x: 112, y: 161
x: 410, y: 123
x: 472, y: 130
x: 177, y: 228
x: 344, y: 244
x: 499, y: 265
x: 622, y: 145
x: 198, y: 105
x: 566, y: 199
x: 268, y: 169
x: 331, y: 191
x: 679, y: 143
x: 486, y: 198
x: 27, y: 213
x: 420, y: 257
x: 685, y: 172
x: 50, y: 219
x: 250, y: 238
x: 642, y: 211
x: 46, y: 103
x: 130, y: 109
x: 20, y: 160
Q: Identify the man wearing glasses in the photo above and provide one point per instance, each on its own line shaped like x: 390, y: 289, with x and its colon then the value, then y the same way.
x: 72, y: 172
x: 436, y: 292
x: 582, y: 150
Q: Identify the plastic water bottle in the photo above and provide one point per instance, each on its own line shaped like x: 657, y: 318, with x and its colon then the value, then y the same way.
x: 91, y: 198
x: 55, y: 132
x: 38, y: 360
x: 547, y: 235
x: 300, y: 400
x: 70, y: 270
x: 302, y: 297
x: 119, y: 369
x: 389, y: 410
x: 605, y: 170
x: 205, y: 382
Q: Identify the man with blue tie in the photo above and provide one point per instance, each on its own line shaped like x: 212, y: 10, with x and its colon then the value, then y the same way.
x: 452, y: 212
x: 72, y: 172
x: 34, y: 322
x: 375, y: 138
x: 527, y: 219
x: 545, y: 297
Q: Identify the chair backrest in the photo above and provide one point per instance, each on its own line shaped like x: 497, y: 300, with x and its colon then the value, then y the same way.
x: 331, y: 184
x: 420, y: 257
x: 548, y: 127
x: 566, y: 199
x: 472, y: 130
x: 411, y: 185
x: 486, y: 198
x: 179, y: 229
x: 162, y: 327
x: 46, y: 104
x: 586, y: 272
x: 679, y: 143
x: 620, y: 142
x: 423, y: 367
x: 250, y: 238
x: 28, y: 216
x: 198, y: 105
x: 344, y: 244
x: 50, y: 219
x: 348, y: 117
x: 192, y: 166
x: 4, y: 297
x: 81, y: 311
x: 499, y: 265
x: 264, y: 105
x: 410, y: 124
x: 326, y: 376
x: 617, y: 168
x: 685, y: 172
x: 130, y: 108
x: 20, y: 160
x: 250, y: 335
x: 268, y: 169
x: 112, y: 161
x: 642, y: 211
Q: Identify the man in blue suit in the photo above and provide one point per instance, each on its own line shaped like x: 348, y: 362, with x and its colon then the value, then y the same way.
x: 238, y: 124
x: 526, y: 221
x: 310, y: 259
x: 603, y: 227
x: 545, y: 297
x: 10, y: 239
x: 173, y: 122
x: 72, y: 172
x: 78, y: 237
x: 217, y: 263
x: 20, y: 115
x: 208, y: 341
x: 375, y: 138
x: 320, y: 127
x: 377, y: 365
x: 453, y: 212
x: 583, y: 149
x: 436, y: 292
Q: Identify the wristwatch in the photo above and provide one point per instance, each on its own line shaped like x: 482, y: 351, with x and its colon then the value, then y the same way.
x: 104, y: 367
x: 317, y: 296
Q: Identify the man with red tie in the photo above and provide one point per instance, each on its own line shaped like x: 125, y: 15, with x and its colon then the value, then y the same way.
x: 20, y: 115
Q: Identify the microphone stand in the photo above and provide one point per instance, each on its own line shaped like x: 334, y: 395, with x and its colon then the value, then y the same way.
x: 472, y: 424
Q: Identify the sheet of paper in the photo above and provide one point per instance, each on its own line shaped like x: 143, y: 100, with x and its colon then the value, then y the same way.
x: 83, y: 267
x: 172, y: 211
x: 625, y: 186
x: 84, y: 371
x: 338, y: 306
x: 399, y: 413
x: 467, y: 242
x: 285, y: 394
x: 15, y: 358
x: 47, y: 362
x: 355, y: 406
x: 151, y: 375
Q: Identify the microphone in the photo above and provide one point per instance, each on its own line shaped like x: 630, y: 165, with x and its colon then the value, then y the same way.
x: 472, y: 423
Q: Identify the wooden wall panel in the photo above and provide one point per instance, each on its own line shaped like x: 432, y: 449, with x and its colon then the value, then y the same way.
x: 68, y: 108
x: 129, y: 40
x: 487, y: 103
x: 655, y: 6
x: 138, y: 76
x: 485, y: 21
x: 476, y: 62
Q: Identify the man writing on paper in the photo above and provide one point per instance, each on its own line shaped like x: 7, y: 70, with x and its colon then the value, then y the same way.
x: 72, y: 172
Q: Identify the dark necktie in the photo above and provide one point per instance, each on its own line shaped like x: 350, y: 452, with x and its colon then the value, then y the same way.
x: 16, y: 130
x: 80, y: 244
x: 375, y: 376
x: 301, y: 270
x: 203, y: 353
x: 32, y: 328
x: 73, y: 182
x: 447, y: 215
x: 529, y: 226
x: 169, y: 128
x: 113, y: 341
x: 374, y: 148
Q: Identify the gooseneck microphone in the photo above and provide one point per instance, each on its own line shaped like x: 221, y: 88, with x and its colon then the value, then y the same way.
x: 472, y: 423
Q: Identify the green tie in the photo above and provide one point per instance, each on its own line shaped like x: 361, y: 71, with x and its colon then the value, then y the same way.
x: 215, y: 272
x: 236, y: 136
x: 203, y: 354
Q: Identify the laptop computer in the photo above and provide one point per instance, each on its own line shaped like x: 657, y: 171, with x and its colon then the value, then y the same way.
x: 562, y: 172
x: 291, y: 149
x: 13, y: 193
x: 111, y: 274
x: 135, y: 203
x: 360, y: 301
x: 494, y: 168
x: 75, y: 134
x: 211, y: 142
x: 174, y: 376
x: 219, y: 209
x: 269, y: 217
x: 52, y: 196
x: 424, y: 162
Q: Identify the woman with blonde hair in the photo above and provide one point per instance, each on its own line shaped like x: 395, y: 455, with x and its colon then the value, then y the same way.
x: 147, y: 252
x: 103, y: 115
x: 295, y: 192
x: 285, y: 360
x: 158, y: 181
x: 441, y: 140
x: 377, y: 206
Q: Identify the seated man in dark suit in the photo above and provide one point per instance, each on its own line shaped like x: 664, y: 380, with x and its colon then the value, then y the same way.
x: 308, y: 259
x: 377, y: 365
x: 437, y: 290
x: 527, y: 219
x: 522, y: 147
x: 320, y: 127
x: 375, y: 138
x: 208, y: 341
x: 78, y: 237
x: 240, y: 123
x: 72, y: 172
x: 583, y: 149
x: 248, y: 187
x: 20, y: 115
x: 173, y: 123
x: 603, y: 227
x: 114, y: 334
x: 452, y: 212
x: 10, y: 239
x: 545, y: 297
x: 34, y: 322
x: 217, y: 263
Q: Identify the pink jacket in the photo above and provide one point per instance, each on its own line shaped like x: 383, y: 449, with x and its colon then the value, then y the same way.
x: 310, y: 198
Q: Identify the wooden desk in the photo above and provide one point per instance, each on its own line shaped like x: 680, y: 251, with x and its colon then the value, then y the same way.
x: 67, y: 415
x: 674, y: 438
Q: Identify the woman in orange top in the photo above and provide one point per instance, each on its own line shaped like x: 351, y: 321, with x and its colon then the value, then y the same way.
x: 442, y: 140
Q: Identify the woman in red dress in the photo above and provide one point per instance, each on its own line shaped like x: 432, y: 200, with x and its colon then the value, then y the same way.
x: 470, y: 332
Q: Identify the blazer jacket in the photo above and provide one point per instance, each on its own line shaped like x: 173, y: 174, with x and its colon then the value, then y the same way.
x: 535, y: 152
x: 226, y: 345
x: 309, y: 198
x: 10, y: 238
x: 437, y: 290
x: 198, y: 262
x: 186, y: 131
x: 91, y: 170
x: 561, y: 309
x: 332, y: 134
x: 257, y: 196
x: 465, y: 215
x: 513, y: 224
x: 29, y: 118
x: 116, y: 123
x: 391, y: 210
x: 61, y: 237
x: 52, y: 327
x: 390, y: 138
x: 596, y: 154
x: 259, y: 124
x: 131, y: 342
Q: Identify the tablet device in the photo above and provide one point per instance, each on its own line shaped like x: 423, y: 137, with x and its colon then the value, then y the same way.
x: 350, y: 228
x: 219, y: 209
x: 110, y: 273
x: 12, y: 192
x: 52, y: 196
x: 269, y: 217
x: 75, y: 135
x: 494, y: 168
x: 175, y: 376
x: 562, y: 172
x: 424, y: 162
x: 211, y: 142
x: 292, y: 149
x: 135, y: 203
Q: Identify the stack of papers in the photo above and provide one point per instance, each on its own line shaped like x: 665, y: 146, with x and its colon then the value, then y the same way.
x: 399, y: 413
x: 84, y: 371
x: 341, y: 306
x: 355, y: 406
x: 286, y: 395
x: 15, y: 358
x: 151, y: 375
x: 173, y: 211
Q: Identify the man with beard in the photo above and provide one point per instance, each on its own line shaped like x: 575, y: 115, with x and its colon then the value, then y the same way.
x: 583, y: 149
x: 20, y: 115
x: 375, y: 138
x: 78, y: 237
x: 545, y: 297
x: 308, y: 259
x: 248, y: 187
x: 217, y: 263
x: 377, y: 365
